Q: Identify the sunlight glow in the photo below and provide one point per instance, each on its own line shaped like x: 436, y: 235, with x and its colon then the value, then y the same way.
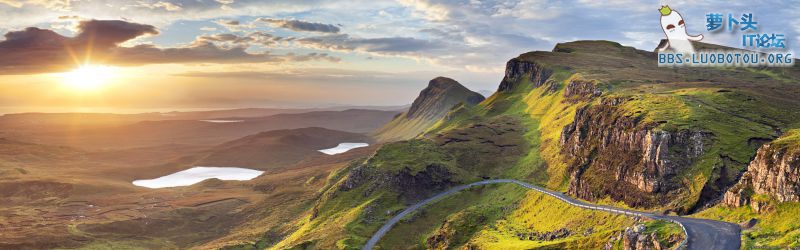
x: 89, y: 77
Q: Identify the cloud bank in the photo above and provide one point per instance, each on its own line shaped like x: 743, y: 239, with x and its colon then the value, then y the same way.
x: 36, y: 50
x: 298, y: 25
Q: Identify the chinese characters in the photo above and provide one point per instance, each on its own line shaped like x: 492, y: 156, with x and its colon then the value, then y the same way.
x: 715, y: 21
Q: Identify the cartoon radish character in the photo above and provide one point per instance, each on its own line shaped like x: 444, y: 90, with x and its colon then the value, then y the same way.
x: 673, y: 26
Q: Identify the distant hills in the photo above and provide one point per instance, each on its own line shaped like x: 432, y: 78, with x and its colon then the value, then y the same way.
x: 277, y: 148
x: 95, y: 131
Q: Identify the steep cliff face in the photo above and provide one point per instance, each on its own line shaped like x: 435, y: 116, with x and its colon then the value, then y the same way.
x: 624, y: 157
x: 432, y: 104
x: 774, y: 175
x: 518, y: 70
x: 633, y: 132
x: 579, y: 89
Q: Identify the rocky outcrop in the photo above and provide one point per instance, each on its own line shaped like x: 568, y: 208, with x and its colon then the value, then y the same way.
x: 441, y: 95
x: 417, y: 186
x: 456, y: 229
x: 774, y: 175
x: 579, y: 89
x: 625, y: 158
x: 411, y: 186
x: 635, y: 238
x: 517, y: 69
x: 434, y: 103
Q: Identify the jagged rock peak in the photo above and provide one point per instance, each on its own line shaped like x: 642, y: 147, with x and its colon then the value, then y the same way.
x: 440, y: 96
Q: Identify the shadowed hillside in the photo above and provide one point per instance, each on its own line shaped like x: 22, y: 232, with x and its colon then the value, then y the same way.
x: 277, y: 148
x: 433, y: 103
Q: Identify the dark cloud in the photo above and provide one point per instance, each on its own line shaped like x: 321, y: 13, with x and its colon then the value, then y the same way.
x: 384, y: 45
x: 223, y: 38
x: 228, y: 22
x: 452, y: 35
x: 198, y: 52
x: 110, y: 33
x: 298, y: 25
x: 253, y: 38
x: 35, y: 50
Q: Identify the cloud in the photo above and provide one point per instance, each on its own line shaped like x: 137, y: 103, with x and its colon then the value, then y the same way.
x: 227, y: 22
x: 298, y: 25
x: 254, y: 38
x: 530, y: 10
x: 12, y: 3
x: 428, y: 9
x: 205, y: 52
x: 385, y: 45
x: 168, y: 6
x: 642, y: 40
x: 49, y: 4
x: 35, y: 50
x: 233, y: 25
x: 109, y: 33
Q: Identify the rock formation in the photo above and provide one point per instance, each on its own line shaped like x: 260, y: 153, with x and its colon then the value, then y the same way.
x: 433, y: 103
x: 774, y: 175
x: 625, y: 158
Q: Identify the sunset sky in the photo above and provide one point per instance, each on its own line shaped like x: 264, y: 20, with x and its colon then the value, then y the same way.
x: 180, y: 54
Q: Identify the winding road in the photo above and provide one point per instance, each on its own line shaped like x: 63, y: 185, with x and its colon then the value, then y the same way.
x: 700, y: 233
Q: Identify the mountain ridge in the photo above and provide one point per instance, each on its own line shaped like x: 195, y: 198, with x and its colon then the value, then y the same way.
x: 595, y: 119
x: 434, y: 102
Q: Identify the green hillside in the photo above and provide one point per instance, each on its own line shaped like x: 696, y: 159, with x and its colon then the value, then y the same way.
x: 594, y: 119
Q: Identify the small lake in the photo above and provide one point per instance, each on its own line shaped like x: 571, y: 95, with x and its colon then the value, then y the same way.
x: 343, y: 147
x: 221, y: 121
x: 198, y: 174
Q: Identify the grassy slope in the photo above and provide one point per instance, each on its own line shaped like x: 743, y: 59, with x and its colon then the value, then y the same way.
x: 790, y: 140
x: 527, y: 105
x: 725, y: 102
x: 540, y: 213
x: 362, y: 214
x: 490, y: 217
x: 733, y: 104
x: 402, y: 127
x: 466, y: 211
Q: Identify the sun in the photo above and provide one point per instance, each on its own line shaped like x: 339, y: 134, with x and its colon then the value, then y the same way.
x: 89, y: 77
